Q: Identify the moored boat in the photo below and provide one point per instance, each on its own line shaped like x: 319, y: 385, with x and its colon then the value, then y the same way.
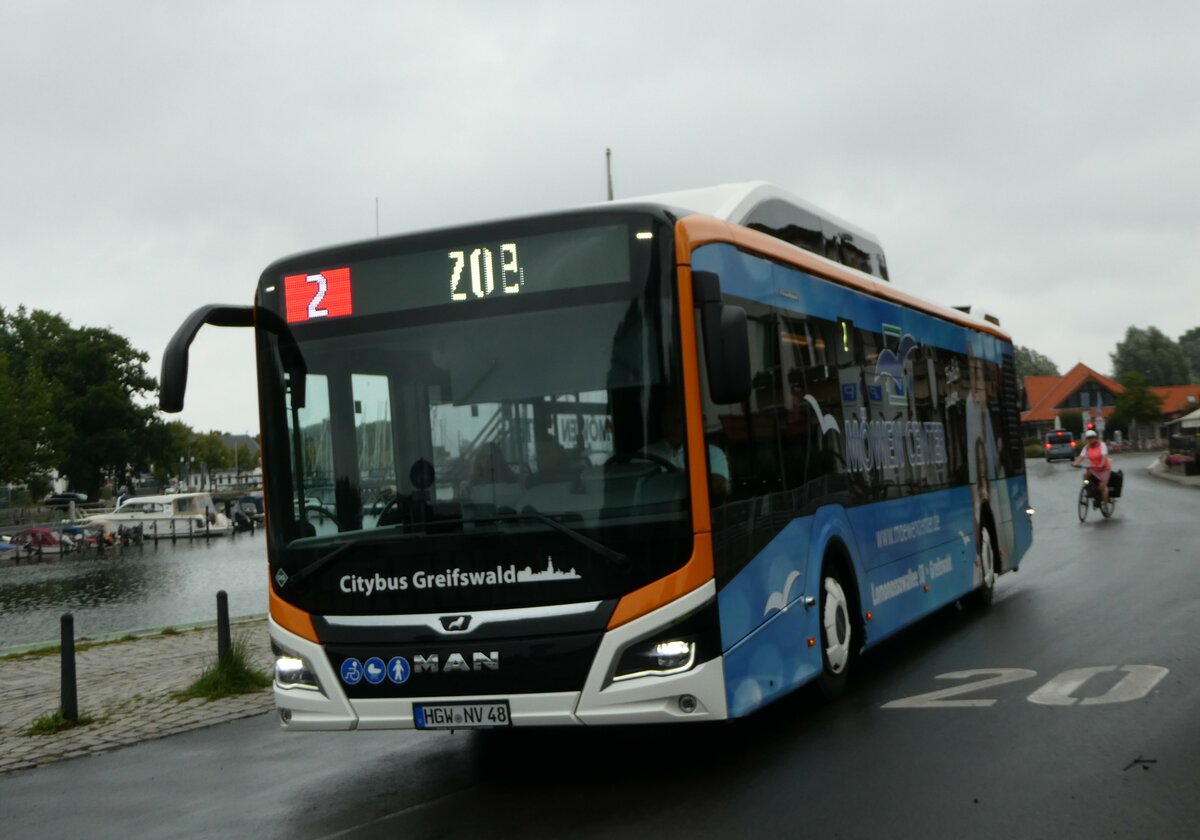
x: 38, y: 541
x: 173, y: 515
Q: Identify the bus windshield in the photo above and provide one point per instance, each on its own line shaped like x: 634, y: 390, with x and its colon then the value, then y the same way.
x: 455, y: 406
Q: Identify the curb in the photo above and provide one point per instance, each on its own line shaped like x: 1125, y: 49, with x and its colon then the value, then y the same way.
x: 1158, y: 471
x: 122, y: 637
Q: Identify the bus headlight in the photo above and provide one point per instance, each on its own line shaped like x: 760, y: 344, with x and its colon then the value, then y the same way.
x: 659, y: 658
x: 292, y: 671
x: 672, y: 649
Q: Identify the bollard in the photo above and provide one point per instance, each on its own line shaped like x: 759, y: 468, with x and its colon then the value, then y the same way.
x: 222, y: 625
x: 70, y: 701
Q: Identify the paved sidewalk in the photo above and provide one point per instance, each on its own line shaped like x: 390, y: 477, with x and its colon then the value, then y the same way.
x: 126, y: 687
x: 1160, y: 470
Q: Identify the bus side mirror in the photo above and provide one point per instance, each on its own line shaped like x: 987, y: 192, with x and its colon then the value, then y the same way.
x: 173, y: 382
x: 726, y: 341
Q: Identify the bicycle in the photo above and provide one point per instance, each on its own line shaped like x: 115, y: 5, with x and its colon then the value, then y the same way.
x: 1090, y: 496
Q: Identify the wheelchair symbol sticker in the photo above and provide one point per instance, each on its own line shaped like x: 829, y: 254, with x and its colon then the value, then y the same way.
x: 352, y: 671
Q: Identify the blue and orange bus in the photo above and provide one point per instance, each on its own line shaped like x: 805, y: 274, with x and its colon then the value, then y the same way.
x: 647, y: 461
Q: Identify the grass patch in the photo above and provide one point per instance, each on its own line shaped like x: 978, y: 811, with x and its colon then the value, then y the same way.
x: 170, y: 631
x: 229, y: 675
x: 57, y: 722
x: 55, y: 650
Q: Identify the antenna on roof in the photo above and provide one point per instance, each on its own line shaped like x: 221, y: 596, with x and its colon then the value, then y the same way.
x: 608, y: 167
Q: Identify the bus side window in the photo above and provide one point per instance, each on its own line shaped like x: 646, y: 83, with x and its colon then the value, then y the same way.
x: 812, y: 454
x: 749, y: 434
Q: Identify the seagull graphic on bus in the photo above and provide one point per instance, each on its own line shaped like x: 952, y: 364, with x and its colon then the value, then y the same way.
x: 827, y: 422
x: 891, y: 363
x: 780, y: 600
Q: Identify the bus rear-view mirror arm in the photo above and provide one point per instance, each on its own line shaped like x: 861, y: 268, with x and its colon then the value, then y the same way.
x: 726, y: 341
x: 173, y: 382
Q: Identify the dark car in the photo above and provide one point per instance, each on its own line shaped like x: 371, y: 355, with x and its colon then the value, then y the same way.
x: 62, y: 501
x: 1060, y: 445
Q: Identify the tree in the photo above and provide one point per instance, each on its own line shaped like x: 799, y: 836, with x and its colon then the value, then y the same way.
x: 1152, y: 354
x: 25, y: 446
x: 97, y: 384
x: 245, y: 459
x: 210, y: 449
x: 1136, y: 404
x: 171, y: 443
x: 1190, y: 343
x: 1030, y: 362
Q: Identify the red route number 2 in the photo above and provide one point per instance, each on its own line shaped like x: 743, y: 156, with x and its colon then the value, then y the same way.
x: 322, y: 295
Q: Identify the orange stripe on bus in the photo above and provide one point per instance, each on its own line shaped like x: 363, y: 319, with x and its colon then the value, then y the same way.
x: 696, y: 447
x: 694, y: 574
x: 291, y: 618
x: 693, y: 231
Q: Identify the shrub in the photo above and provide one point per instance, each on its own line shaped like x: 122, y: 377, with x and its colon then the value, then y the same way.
x: 229, y: 675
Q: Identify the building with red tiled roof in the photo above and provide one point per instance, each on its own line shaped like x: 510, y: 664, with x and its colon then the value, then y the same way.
x: 1080, y: 389
x: 1177, y: 400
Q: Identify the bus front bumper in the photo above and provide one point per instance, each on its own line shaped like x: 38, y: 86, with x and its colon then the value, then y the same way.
x: 697, y: 694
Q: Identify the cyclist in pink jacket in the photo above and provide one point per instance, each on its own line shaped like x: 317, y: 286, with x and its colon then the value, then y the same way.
x: 1094, y: 456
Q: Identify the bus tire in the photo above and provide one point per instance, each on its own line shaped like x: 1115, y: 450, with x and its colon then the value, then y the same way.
x: 838, y: 629
x: 986, y: 558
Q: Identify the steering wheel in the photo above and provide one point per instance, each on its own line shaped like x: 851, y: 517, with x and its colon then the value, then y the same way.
x: 392, y: 507
x: 643, y: 455
x: 323, y: 511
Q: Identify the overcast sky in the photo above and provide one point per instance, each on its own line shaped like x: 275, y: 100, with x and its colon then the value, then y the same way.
x: 1039, y: 159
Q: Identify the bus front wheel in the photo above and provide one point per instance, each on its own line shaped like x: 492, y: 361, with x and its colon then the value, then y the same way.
x: 986, y: 560
x: 837, y: 633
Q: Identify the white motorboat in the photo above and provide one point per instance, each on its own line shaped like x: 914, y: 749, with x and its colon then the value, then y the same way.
x: 175, y: 515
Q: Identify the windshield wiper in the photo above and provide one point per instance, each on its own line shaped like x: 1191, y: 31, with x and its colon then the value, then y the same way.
x: 611, y: 555
x: 320, y: 563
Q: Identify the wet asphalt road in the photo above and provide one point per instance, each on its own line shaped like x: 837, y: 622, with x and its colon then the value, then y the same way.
x: 1088, y: 726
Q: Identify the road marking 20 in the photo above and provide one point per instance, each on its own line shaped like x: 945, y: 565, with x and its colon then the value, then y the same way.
x: 1137, y: 682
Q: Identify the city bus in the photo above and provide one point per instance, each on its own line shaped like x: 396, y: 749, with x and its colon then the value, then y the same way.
x: 639, y: 462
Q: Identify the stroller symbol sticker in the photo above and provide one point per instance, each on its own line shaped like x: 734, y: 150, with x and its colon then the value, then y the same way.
x: 374, y: 670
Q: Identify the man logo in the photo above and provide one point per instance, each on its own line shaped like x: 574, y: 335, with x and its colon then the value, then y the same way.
x: 456, y: 623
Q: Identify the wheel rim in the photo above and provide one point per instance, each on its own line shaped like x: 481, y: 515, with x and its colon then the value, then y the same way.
x: 1084, y: 501
x: 987, y: 562
x: 836, y: 622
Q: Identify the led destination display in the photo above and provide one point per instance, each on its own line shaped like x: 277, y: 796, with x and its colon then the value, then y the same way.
x: 462, y: 273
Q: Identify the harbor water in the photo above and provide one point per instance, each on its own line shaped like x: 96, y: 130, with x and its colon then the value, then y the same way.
x: 131, y: 589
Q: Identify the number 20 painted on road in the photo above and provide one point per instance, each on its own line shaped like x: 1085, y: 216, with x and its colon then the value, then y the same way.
x: 1138, y: 681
